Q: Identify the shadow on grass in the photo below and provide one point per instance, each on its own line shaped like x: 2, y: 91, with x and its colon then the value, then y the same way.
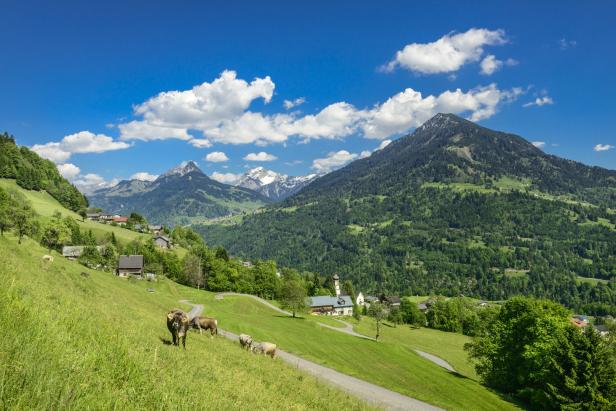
x: 288, y: 316
x: 165, y: 341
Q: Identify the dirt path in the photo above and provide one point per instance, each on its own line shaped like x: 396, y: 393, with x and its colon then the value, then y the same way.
x: 220, y: 296
x: 348, y: 329
x: 369, y: 392
x: 436, y: 360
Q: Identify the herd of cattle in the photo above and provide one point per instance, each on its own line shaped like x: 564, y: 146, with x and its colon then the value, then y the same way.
x: 179, y: 323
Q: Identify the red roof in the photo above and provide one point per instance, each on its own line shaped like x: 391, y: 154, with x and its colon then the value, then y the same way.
x: 120, y: 219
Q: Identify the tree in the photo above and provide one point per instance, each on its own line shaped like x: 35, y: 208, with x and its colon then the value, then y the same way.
x: 23, y: 219
x: 377, y: 311
x: 533, y: 352
x: 411, y: 314
x: 293, y: 294
x: 266, y: 281
x: 193, y: 270
x: 55, y: 234
x: 83, y: 214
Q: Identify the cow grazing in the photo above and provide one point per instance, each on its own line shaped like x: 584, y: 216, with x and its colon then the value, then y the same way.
x: 265, y: 348
x: 205, y: 323
x: 178, y: 324
x: 246, y: 341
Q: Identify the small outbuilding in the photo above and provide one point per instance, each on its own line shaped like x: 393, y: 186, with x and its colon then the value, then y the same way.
x: 162, y: 241
x: 130, y: 265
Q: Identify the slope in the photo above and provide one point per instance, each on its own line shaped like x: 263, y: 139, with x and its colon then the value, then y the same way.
x: 74, y: 341
x: 452, y: 209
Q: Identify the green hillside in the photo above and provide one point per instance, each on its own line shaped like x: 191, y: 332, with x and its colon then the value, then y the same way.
x: 45, y: 205
x: 453, y: 208
x: 76, y: 342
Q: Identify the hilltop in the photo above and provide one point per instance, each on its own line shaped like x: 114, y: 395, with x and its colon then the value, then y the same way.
x: 454, y: 208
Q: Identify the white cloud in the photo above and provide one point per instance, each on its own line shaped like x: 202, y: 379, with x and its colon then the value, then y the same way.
x: 226, y: 178
x: 490, y: 64
x: 447, y: 54
x: 171, y: 114
x: 538, y: 144
x: 200, y: 143
x: 143, y: 176
x: 410, y: 109
x: 89, y: 183
x: 364, y: 154
x: 261, y: 156
x: 383, y: 144
x: 334, y: 160
x: 603, y: 147
x: 539, y: 101
x: 216, y: 157
x: 289, y: 104
x: 82, y: 142
x: 68, y: 170
x: 146, y: 131
x: 565, y: 44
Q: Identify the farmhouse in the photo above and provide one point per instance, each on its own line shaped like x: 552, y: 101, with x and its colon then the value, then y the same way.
x: 120, y: 220
x: 328, y: 305
x: 130, y: 265
x: 155, y: 228
x: 105, y: 218
x: 93, y: 216
x: 162, y: 241
x: 391, y: 300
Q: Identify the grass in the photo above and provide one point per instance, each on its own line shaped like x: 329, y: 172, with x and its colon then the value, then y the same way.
x: 389, y: 363
x: 96, y: 342
x: 512, y: 272
x: 592, y: 281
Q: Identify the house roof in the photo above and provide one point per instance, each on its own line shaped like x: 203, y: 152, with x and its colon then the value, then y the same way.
x: 120, y: 219
x: 326, y: 301
x: 130, y: 261
x: 392, y: 299
x: 162, y: 237
x: 155, y: 227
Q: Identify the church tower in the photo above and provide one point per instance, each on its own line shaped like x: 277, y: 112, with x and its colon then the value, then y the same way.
x: 337, y: 285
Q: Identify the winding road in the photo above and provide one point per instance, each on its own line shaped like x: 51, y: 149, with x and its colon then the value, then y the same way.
x: 369, y: 392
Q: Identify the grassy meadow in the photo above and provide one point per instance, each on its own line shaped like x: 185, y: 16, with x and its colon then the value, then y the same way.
x: 98, y: 342
x: 391, y: 363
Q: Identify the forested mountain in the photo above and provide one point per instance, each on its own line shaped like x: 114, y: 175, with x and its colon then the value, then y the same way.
x: 453, y: 208
x: 35, y: 173
x: 182, y: 195
x: 274, y: 186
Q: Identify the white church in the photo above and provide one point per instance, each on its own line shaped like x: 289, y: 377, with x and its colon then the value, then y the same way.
x: 337, y: 305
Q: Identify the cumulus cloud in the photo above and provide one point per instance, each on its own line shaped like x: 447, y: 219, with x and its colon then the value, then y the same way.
x: 289, y: 104
x: 219, y: 110
x: 261, y: 156
x: 538, y: 144
x: 200, y: 143
x: 383, y: 144
x: 82, y: 142
x: 171, y: 114
x: 410, y: 109
x: 447, y: 54
x: 226, y: 178
x: 144, y: 176
x: 603, y: 147
x: 89, y: 183
x: 565, y: 44
x: 68, y: 170
x: 490, y: 64
x: 539, y: 101
x: 216, y: 157
x: 334, y: 160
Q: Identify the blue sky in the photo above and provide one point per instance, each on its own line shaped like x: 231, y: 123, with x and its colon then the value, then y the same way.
x: 94, y: 73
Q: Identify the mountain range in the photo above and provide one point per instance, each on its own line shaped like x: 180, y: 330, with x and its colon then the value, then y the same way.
x: 453, y: 208
x: 272, y: 185
x: 182, y: 195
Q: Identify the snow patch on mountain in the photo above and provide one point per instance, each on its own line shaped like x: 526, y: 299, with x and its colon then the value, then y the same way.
x: 275, y: 186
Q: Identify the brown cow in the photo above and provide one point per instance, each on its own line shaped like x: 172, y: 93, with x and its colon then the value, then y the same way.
x: 205, y: 323
x: 178, y: 324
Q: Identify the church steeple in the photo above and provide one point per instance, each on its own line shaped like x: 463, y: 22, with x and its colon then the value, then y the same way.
x: 337, y: 285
